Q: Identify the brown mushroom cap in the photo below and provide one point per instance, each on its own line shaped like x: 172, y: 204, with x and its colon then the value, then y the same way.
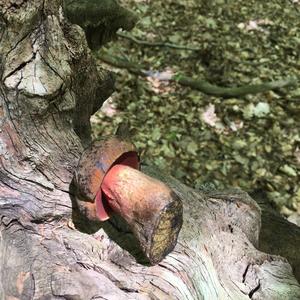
x: 94, y: 163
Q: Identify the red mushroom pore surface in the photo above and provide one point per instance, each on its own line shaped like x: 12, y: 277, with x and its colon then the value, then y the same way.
x: 150, y: 208
x: 102, y: 197
x: 110, y: 183
x: 132, y: 194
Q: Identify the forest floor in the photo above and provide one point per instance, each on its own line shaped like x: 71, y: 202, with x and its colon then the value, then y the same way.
x: 251, y: 142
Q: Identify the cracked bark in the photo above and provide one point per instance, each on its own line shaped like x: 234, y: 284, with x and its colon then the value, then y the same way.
x: 47, y: 250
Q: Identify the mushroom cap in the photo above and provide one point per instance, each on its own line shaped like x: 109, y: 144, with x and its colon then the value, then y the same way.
x: 94, y: 163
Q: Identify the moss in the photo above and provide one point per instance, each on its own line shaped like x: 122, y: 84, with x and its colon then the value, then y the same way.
x: 100, y: 19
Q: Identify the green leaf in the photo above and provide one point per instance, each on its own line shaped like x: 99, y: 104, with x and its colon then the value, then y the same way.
x: 192, y: 148
x: 156, y: 134
x: 241, y: 159
x: 211, y: 23
x: 286, y: 169
x: 248, y: 111
x: 261, y: 109
x: 168, y: 151
x: 239, y: 144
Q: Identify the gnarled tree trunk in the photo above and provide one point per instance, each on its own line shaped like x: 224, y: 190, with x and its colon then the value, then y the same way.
x: 49, y: 89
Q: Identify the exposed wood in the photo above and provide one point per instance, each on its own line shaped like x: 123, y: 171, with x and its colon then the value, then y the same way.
x: 49, y: 88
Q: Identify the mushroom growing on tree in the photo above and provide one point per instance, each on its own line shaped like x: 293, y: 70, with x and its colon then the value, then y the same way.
x: 49, y: 247
x: 107, y: 179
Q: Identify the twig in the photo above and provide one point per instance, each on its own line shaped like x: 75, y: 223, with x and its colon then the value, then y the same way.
x: 155, y: 44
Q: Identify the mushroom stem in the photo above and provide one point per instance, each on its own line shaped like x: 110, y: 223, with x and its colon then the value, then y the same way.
x: 151, y: 209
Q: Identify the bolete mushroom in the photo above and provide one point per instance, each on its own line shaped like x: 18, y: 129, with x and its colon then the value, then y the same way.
x: 108, y: 181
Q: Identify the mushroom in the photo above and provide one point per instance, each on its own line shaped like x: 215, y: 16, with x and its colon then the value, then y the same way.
x: 108, y: 181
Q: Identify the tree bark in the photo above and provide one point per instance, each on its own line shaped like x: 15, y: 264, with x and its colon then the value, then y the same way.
x: 49, y: 89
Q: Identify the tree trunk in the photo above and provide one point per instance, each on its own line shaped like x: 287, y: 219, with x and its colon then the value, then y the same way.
x: 49, y: 89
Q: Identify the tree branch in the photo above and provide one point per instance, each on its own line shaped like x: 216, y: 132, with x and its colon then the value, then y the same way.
x: 202, y: 85
x: 155, y: 44
x: 228, y: 92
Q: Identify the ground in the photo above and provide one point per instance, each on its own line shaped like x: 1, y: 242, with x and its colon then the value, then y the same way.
x: 252, y: 142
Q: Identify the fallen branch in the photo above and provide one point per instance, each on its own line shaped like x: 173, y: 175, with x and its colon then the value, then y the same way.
x: 200, y: 85
x: 228, y: 92
x: 155, y: 44
x: 122, y: 64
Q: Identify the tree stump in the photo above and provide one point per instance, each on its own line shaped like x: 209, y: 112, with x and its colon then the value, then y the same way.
x: 49, y: 88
